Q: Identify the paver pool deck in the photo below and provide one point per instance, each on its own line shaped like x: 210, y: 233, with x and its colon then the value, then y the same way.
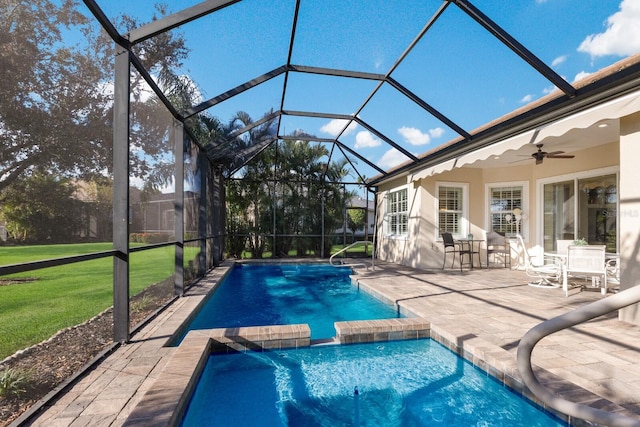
x: 493, y: 306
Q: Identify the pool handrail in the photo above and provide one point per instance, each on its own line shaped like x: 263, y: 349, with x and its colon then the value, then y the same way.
x: 359, y: 242
x: 583, y: 314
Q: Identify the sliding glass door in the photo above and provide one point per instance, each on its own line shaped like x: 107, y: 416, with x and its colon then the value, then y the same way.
x: 588, y: 213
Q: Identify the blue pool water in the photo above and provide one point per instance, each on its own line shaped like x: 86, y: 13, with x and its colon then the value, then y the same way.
x: 401, y: 383
x: 316, y: 294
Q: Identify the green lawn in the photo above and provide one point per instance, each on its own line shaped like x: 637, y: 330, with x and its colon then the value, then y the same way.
x: 67, y: 295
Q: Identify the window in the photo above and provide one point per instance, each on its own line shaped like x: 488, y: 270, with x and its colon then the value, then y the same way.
x: 397, y: 215
x: 503, y: 201
x: 452, y: 209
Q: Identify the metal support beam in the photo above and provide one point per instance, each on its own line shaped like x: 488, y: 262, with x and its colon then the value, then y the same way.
x: 105, y: 23
x: 266, y: 144
x: 437, y: 114
x: 515, y: 46
x: 178, y: 209
x: 404, y: 54
x: 179, y: 18
x: 137, y: 63
x: 318, y: 115
x: 121, y: 93
x: 265, y: 119
x: 343, y: 147
x: 307, y: 138
x: 203, y: 167
x: 217, y: 213
x: 294, y: 26
x: 383, y: 137
x: 337, y: 73
x: 233, y: 92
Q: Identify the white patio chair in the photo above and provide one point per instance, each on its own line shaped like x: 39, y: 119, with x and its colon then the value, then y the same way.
x: 547, y: 274
x: 613, y: 271
x: 586, y: 262
x: 562, y: 245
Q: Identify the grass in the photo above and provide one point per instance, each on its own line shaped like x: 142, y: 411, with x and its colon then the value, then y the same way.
x: 51, y: 299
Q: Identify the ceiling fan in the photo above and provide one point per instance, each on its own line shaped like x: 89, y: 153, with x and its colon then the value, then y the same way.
x: 540, y: 155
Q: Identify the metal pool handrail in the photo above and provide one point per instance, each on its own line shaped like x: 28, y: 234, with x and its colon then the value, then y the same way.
x: 581, y: 315
x: 359, y: 242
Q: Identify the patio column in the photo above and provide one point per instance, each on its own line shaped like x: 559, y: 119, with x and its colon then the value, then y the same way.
x: 178, y: 224
x: 203, y: 167
x: 629, y: 211
x: 216, y: 214
x: 121, y: 93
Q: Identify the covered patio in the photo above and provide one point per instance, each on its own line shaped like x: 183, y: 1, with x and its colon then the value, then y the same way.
x: 481, y: 314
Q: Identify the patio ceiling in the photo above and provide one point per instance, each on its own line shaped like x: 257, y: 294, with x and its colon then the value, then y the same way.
x: 309, y: 64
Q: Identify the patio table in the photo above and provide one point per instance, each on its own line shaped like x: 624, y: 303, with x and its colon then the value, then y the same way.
x: 472, y: 250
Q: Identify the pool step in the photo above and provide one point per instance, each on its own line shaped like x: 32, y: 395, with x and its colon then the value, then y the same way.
x: 361, y: 331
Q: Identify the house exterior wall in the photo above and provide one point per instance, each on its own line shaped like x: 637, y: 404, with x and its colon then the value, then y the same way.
x: 629, y: 210
x: 394, y: 248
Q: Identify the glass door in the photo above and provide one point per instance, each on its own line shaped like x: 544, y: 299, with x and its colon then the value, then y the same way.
x: 590, y: 213
x: 559, y: 213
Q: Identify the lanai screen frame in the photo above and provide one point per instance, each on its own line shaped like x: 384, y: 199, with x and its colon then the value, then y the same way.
x: 567, y: 101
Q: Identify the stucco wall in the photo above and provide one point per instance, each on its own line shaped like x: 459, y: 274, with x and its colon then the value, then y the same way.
x: 629, y: 211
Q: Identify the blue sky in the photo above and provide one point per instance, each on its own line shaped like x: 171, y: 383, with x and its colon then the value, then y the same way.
x: 457, y: 67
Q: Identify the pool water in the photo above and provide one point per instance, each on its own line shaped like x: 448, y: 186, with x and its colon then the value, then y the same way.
x: 400, y: 383
x: 316, y: 294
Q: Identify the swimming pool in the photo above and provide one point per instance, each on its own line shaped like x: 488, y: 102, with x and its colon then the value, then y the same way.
x: 280, y: 294
x: 399, y: 383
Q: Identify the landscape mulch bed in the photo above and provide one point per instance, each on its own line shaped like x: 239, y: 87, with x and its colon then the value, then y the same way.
x: 52, y: 362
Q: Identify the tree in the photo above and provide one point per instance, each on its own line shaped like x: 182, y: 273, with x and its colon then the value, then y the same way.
x: 356, y: 219
x: 291, y: 180
x: 55, y: 101
x: 41, y: 209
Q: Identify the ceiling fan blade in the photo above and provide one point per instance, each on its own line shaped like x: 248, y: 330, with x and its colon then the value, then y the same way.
x: 553, y: 153
x: 560, y: 156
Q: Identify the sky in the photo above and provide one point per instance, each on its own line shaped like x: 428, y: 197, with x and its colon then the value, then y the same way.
x: 457, y: 67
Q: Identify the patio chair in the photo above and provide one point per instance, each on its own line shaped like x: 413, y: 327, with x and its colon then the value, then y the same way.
x: 613, y: 271
x: 562, y: 245
x: 546, y: 275
x: 497, y: 244
x: 586, y: 262
x: 457, y: 249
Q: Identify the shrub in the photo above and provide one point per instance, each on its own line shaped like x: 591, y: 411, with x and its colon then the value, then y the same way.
x: 12, y: 382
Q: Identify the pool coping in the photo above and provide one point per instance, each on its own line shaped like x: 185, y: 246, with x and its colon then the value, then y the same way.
x: 166, y: 400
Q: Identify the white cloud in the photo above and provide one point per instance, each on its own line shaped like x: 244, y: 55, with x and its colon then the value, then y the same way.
x: 414, y: 136
x: 391, y: 158
x: 559, y: 60
x: 622, y: 35
x: 436, y: 132
x: 581, y: 75
x: 527, y: 98
x: 364, y: 139
x: 334, y: 127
